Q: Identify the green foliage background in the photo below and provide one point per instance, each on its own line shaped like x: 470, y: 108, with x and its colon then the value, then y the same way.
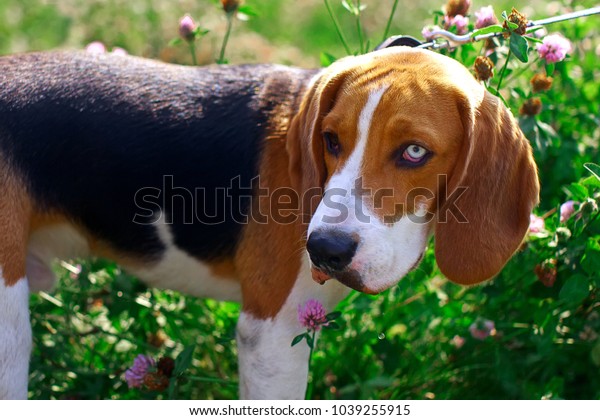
x: 400, y: 344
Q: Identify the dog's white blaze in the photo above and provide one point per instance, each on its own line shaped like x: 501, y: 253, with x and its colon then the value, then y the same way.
x: 15, y: 339
x: 177, y: 270
x: 386, y: 252
x: 343, y: 181
x: 351, y: 170
x: 269, y: 366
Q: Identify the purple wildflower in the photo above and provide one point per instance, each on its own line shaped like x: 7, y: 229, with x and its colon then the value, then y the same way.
x: 485, y: 17
x: 554, y: 48
x: 566, y: 210
x: 96, y: 47
x: 119, y: 51
x: 457, y: 341
x: 540, y: 33
x: 141, y: 366
x: 536, y: 224
x: 460, y: 22
x: 428, y: 30
x: 187, y: 28
x: 312, y: 315
x: 482, y: 328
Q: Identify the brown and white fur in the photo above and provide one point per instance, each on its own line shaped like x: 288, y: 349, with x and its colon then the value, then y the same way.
x: 97, y: 153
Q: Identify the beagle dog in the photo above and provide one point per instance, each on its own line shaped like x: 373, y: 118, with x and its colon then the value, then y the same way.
x: 265, y: 184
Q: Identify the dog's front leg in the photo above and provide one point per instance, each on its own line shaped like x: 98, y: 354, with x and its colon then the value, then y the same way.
x: 270, y: 368
x: 15, y: 339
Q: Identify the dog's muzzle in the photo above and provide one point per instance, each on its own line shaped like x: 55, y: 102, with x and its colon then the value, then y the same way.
x: 331, y: 253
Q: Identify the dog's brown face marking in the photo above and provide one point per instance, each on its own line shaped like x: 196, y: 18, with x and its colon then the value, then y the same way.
x: 408, y: 114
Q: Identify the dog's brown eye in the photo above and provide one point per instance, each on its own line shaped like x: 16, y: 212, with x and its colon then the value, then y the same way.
x: 412, y: 156
x: 332, y: 143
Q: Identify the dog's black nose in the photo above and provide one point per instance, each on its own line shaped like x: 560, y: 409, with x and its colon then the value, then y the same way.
x: 330, y: 249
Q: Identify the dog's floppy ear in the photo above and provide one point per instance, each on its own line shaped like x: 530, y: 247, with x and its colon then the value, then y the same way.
x: 499, y: 177
x: 304, y: 141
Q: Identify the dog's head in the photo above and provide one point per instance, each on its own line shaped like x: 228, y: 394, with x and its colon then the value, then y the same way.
x: 406, y: 143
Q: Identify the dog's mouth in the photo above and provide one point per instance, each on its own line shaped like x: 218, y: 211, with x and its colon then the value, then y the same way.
x: 347, y: 277
x: 320, y: 276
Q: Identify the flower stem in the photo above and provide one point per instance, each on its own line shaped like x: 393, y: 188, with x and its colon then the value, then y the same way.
x: 192, y: 45
x: 309, y: 386
x: 516, y: 74
x: 389, y: 22
x: 221, y: 59
x: 212, y: 380
x: 337, y: 27
x: 359, y: 28
x: 481, y: 51
x: 503, y: 71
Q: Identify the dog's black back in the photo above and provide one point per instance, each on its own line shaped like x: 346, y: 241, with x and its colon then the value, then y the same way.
x: 96, y: 135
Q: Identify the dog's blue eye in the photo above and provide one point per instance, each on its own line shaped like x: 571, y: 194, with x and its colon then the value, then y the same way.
x: 332, y: 143
x: 412, y: 156
x: 414, y: 153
